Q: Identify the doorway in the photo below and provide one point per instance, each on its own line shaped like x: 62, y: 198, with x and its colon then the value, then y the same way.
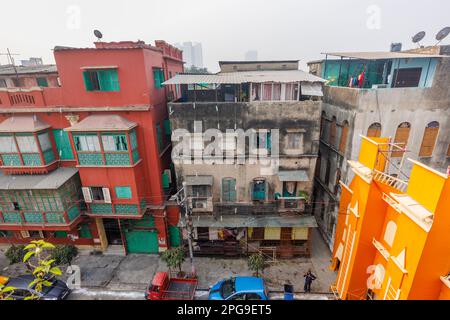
x: 112, y: 231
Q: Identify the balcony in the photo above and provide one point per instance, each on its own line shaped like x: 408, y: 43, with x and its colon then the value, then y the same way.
x: 58, y: 220
x: 33, y: 97
x: 116, y: 210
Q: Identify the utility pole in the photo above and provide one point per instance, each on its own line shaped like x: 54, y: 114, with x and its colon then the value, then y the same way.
x: 189, y: 225
x: 10, y: 55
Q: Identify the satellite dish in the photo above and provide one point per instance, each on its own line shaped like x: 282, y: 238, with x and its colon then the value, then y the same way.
x: 441, y: 35
x: 98, y: 34
x: 418, y: 37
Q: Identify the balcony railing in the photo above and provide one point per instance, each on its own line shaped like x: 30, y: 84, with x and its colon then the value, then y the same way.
x: 32, y: 218
x: 390, y: 180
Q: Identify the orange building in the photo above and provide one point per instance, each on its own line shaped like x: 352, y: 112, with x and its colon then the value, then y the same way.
x: 393, y: 236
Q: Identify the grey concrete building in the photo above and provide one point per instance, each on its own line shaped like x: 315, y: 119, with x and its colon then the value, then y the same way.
x: 403, y: 95
x: 192, y: 53
x: 253, y: 194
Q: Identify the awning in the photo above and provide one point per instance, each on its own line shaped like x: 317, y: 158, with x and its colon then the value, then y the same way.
x: 294, y: 175
x: 233, y: 221
x: 277, y: 76
x: 312, y: 89
x: 382, y: 55
x: 52, y: 180
x: 199, y: 180
x: 103, y: 123
x: 23, y: 124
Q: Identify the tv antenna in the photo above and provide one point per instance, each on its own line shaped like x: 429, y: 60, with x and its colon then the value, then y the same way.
x: 98, y: 34
x: 441, y: 35
x: 418, y: 37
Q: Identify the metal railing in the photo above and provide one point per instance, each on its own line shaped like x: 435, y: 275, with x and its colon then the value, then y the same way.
x: 390, y: 180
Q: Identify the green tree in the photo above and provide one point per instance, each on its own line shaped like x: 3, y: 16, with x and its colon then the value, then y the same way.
x: 174, y: 258
x: 196, y: 70
x: 6, y: 292
x: 256, y: 263
x: 37, y: 258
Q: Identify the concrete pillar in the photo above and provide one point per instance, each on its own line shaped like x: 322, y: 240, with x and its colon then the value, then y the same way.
x: 101, y: 233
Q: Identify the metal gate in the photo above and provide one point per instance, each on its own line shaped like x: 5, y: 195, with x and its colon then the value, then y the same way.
x: 141, y: 236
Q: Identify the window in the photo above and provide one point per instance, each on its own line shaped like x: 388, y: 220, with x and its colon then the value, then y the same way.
x: 158, y: 76
x: 344, y: 135
x: 16, y: 206
x: 200, y: 191
x: 448, y: 151
x: 97, y: 194
x: 276, y: 91
x: 123, y: 192
x: 294, y: 140
x: 44, y: 141
x: 259, y: 190
x: 409, y: 77
x: 101, y: 80
x: 374, y: 130
x: 267, y: 95
x: 7, y: 144
x: 429, y: 139
x: 389, y: 234
x: 332, y: 138
x: 263, y: 140
x: 229, y: 190
x: 42, y: 82
x: 114, y: 142
x: 27, y: 144
x: 89, y: 143
x: 3, y: 83
x: 16, y: 82
x: 401, y: 138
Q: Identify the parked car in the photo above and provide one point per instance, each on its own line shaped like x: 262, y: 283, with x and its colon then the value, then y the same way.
x: 239, y: 288
x: 172, y: 287
x: 57, y: 291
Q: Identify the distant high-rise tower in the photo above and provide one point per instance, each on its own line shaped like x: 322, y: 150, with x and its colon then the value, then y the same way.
x: 192, y: 53
x: 251, y: 55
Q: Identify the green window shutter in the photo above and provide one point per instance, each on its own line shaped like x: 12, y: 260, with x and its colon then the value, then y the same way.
x: 88, y: 81
x: 108, y: 80
x: 123, y: 192
x: 158, y: 75
x: 229, y: 190
x: 85, y: 232
x: 60, y: 234
x: 167, y: 128
x: 269, y: 141
x: 159, y: 136
x: 63, y: 146
x: 165, y: 180
x: 42, y: 82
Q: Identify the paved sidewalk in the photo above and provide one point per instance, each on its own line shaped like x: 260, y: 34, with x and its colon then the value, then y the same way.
x: 134, y: 272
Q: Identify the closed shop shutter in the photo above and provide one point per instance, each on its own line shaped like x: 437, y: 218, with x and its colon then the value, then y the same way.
x: 272, y: 233
x: 300, y: 233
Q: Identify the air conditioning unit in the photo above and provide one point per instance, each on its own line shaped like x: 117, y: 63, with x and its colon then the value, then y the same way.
x: 200, y: 204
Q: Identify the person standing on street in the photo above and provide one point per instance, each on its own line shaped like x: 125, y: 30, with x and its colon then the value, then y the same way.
x: 309, y: 278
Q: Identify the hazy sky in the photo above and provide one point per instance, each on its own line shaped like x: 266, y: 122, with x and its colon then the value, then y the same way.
x: 277, y: 29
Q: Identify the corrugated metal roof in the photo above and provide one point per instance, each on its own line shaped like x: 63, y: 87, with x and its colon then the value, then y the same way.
x: 279, y: 76
x: 9, y: 69
x: 233, y: 221
x: 293, y: 175
x: 52, y: 180
x: 30, y: 123
x: 109, y: 122
x: 377, y: 55
x: 199, y: 180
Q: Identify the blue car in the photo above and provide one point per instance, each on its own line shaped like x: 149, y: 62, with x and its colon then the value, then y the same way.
x: 239, y: 288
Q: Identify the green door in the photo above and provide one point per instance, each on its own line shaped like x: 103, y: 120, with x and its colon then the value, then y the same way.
x: 142, y: 241
x: 139, y: 237
x: 174, y: 236
x: 229, y: 190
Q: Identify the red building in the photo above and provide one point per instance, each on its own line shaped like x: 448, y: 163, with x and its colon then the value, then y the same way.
x: 97, y: 149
